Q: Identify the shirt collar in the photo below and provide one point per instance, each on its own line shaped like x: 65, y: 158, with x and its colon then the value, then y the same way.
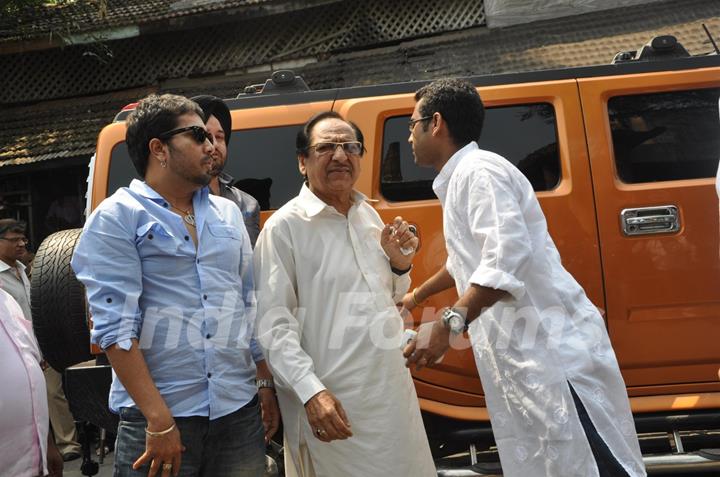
x: 313, y: 205
x: 225, y: 179
x: 4, y: 266
x: 141, y: 188
x: 441, y: 181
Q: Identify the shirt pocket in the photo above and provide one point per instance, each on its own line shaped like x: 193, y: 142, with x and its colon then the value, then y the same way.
x: 225, y: 248
x: 157, y: 247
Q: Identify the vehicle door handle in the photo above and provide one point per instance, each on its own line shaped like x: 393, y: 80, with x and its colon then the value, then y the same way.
x: 650, y: 220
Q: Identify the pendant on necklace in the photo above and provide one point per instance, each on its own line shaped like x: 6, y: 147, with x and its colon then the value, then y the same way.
x: 189, y: 218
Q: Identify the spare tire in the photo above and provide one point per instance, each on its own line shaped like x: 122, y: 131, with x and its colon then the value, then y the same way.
x: 58, y: 304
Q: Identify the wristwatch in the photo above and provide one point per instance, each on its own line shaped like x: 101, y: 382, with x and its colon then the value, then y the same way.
x: 265, y: 383
x: 453, y: 321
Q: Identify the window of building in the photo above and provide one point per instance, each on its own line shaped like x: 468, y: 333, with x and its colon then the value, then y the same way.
x: 262, y: 161
x: 665, y: 136
x: 526, y: 135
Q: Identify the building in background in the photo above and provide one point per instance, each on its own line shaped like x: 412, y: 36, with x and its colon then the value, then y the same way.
x: 69, y: 69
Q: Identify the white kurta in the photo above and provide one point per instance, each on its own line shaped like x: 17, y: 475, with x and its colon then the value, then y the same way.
x: 327, y: 320
x: 547, y: 333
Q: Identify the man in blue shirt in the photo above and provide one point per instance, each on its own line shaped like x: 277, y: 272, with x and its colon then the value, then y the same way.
x: 168, y: 272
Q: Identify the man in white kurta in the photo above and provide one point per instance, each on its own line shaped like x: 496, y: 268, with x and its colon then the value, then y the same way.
x: 327, y: 322
x: 537, y: 338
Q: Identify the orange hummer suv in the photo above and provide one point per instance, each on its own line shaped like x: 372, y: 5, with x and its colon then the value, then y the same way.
x: 622, y: 158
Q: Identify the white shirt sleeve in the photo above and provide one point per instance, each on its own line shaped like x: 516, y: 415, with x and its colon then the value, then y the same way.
x: 497, y: 224
x: 401, y: 285
x: 278, y: 328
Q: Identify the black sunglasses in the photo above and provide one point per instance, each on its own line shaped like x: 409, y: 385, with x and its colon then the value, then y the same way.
x: 199, y: 134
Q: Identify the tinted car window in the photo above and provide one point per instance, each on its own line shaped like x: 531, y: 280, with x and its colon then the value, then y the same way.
x: 536, y: 155
x: 262, y: 161
x: 665, y: 136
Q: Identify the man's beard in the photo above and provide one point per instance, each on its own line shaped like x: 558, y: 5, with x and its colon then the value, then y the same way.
x: 217, y: 168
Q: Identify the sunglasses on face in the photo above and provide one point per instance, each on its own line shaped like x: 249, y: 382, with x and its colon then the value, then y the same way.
x: 198, y: 133
x: 351, y: 148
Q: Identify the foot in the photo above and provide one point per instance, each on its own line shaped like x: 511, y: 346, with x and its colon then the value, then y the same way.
x: 72, y: 455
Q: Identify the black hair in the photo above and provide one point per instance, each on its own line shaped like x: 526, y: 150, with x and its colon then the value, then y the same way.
x: 153, y: 116
x: 11, y: 225
x: 302, y: 141
x: 459, y: 104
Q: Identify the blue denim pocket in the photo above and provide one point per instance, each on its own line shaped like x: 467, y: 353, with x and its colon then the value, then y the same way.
x: 131, y: 414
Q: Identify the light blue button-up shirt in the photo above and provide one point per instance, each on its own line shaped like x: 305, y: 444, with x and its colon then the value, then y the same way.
x: 192, y: 311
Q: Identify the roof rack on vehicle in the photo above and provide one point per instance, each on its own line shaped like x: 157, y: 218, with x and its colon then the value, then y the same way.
x: 281, y: 81
x: 660, y: 47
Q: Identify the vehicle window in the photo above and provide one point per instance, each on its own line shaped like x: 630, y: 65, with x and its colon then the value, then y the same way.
x: 264, y: 164
x: 665, y: 136
x: 122, y: 171
x: 262, y: 161
x: 536, y: 155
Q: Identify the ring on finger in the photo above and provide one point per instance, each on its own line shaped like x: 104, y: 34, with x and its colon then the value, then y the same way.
x: 167, y: 466
x: 319, y: 431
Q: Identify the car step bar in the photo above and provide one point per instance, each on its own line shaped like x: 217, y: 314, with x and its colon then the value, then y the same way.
x: 655, y: 465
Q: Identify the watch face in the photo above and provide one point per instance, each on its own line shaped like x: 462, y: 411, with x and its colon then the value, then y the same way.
x: 456, y: 323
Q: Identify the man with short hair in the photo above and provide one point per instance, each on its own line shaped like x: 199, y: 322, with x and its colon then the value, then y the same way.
x: 219, y: 123
x: 13, y: 278
x: 329, y: 273
x: 15, y: 282
x: 168, y: 272
x: 555, y: 395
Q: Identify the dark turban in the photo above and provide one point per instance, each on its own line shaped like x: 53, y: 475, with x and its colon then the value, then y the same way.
x: 214, y: 106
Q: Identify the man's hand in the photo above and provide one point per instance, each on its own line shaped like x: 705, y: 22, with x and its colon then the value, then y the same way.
x: 395, y: 239
x: 162, y: 452
x: 433, y: 341
x: 270, y: 412
x: 407, y: 304
x: 327, y: 417
x: 54, y: 459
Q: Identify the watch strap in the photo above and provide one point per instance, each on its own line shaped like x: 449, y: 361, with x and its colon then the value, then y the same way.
x: 398, y: 271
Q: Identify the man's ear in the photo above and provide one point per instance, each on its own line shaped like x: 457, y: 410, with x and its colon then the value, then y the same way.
x: 437, y: 123
x: 158, y: 150
x: 301, y: 165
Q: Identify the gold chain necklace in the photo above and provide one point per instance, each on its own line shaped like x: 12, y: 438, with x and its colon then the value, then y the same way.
x: 187, y: 215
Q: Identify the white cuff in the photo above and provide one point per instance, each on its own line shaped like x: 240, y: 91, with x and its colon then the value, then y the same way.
x: 307, y: 387
x: 499, y: 280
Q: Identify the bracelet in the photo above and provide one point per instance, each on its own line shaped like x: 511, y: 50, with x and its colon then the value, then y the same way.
x: 414, y: 297
x: 160, y: 433
x: 264, y: 383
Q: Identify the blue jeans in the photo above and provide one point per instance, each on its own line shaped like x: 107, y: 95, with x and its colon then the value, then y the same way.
x: 230, y: 446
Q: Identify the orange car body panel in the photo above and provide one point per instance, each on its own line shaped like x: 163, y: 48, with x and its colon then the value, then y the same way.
x: 660, y: 294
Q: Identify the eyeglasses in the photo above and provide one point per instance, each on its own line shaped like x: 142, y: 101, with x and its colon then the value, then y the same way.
x: 199, y: 134
x: 411, y: 124
x: 351, y: 148
x: 16, y: 240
